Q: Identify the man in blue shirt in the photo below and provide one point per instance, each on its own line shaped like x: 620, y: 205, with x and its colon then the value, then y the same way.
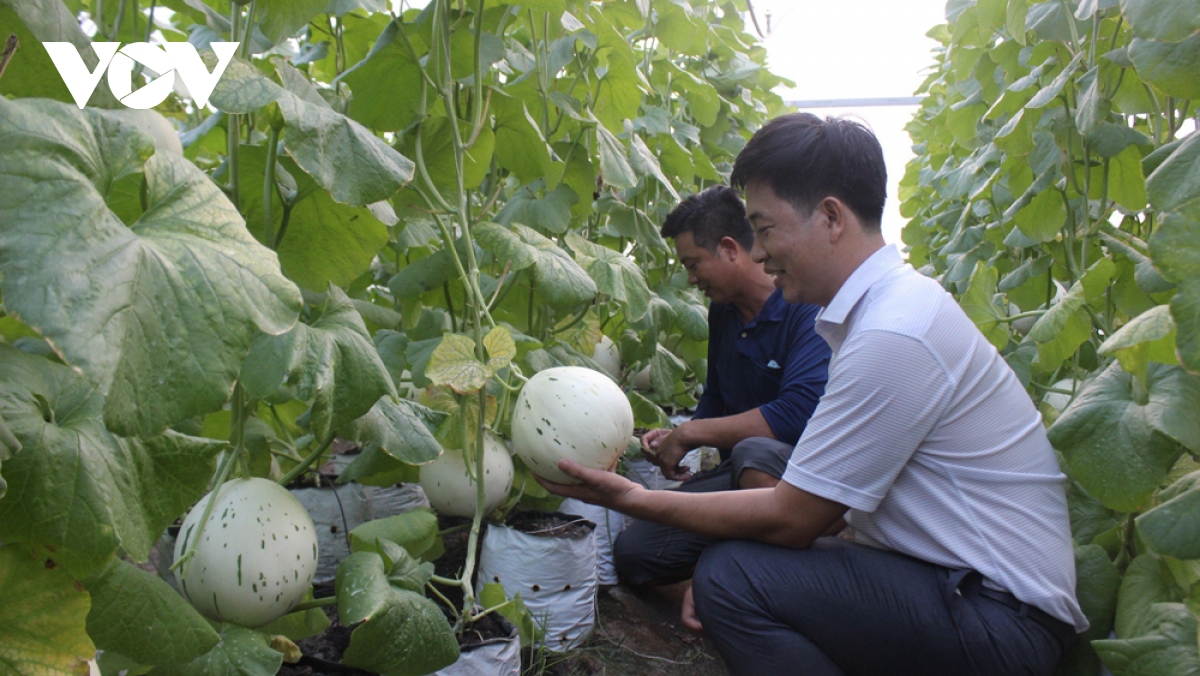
x: 766, y: 371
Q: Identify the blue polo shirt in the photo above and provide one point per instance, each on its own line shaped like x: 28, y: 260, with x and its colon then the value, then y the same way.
x: 776, y: 363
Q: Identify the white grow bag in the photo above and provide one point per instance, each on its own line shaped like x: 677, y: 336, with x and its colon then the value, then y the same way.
x: 493, y: 657
x: 556, y: 577
x: 609, y: 524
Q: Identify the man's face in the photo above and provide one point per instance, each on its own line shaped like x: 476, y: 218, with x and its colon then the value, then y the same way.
x: 788, y: 245
x: 708, y: 271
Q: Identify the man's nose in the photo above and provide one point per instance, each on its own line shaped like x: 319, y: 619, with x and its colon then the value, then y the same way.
x: 692, y: 279
x: 757, y: 253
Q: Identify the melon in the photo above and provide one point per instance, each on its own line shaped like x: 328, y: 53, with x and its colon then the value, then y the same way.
x: 607, y: 356
x: 255, y: 558
x: 570, y: 412
x: 1058, y: 400
x: 451, y: 490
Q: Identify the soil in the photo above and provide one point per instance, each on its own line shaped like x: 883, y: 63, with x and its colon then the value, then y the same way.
x: 550, y: 524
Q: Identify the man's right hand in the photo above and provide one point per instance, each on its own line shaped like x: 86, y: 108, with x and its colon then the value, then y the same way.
x: 666, y: 449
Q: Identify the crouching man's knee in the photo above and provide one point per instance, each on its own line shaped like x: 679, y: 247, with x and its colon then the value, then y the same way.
x: 759, y: 462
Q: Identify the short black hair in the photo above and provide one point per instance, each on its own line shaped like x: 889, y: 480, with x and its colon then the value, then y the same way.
x: 711, y: 215
x: 805, y: 159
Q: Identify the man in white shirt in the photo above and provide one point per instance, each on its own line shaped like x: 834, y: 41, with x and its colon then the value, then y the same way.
x: 924, y: 441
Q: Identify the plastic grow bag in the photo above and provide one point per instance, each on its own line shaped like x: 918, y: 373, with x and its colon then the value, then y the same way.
x: 493, y: 657
x: 609, y: 524
x: 556, y: 576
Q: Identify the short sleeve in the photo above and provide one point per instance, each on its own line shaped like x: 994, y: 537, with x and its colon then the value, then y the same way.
x: 885, y: 393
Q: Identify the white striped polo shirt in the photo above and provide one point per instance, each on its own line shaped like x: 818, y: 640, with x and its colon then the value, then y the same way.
x: 926, y: 434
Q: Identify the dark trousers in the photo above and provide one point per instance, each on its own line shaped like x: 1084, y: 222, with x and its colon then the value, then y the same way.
x: 844, y: 608
x: 648, y: 553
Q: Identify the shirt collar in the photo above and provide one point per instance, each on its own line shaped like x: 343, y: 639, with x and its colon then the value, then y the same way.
x: 772, y: 311
x: 860, y: 281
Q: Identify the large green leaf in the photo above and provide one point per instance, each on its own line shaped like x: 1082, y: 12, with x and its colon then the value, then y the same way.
x: 344, y: 157
x: 31, y: 73
x: 1147, y: 337
x: 399, y: 428
x: 75, y: 487
x: 520, y: 146
x: 1159, y: 20
x: 453, y: 363
x: 1176, y: 181
x: 549, y: 213
x: 614, y: 273
x: 415, y: 530
x: 140, y: 616
x: 1168, y: 648
x: 332, y: 363
x: 614, y: 167
x: 242, y: 87
x: 561, y: 281
x: 1144, y: 585
x: 159, y: 313
x: 8, y: 445
x: 385, y: 85
x: 1169, y: 66
x: 280, y: 19
x: 1175, y: 248
x: 437, y: 152
x: 977, y: 303
x: 1121, y: 439
x: 396, y: 631
x: 1173, y: 527
x: 325, y: 242
x: 241, y: 652
x: 42, y: 617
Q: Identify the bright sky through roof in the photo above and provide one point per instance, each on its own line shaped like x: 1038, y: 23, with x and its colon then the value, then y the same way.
x: 856, y: 49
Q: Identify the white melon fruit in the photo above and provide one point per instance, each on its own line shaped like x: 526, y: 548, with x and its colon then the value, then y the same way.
x: 256, y: 556
x: 570, y: 412
x: 451, y: 490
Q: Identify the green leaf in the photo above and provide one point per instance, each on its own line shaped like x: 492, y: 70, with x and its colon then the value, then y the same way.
x: 505, y: 244
x: 332, y: 363
x: 1176, y: 181
x: 453, y: 363
x: 1147, y: 337
x: 619, y: 93
x: 395, y: 630
x: 501, y: 348
x: 1144, y: 585
x: 1042, y: 219
x: 1017, y: 13
x: 140, y: 616
x: 414, y: 530
x: 241, y: 652
x: 520, y: 146
x: 1171, y: 67
x: 42, y: 617
x: 614, y: 273
x: 513, y: 609
x: 666, y: 370
x: 1126, y: 184
x: 1052, y: 90
x: 1169, y: 647
x: 77, y: 488
x: 424, y: 275
x: 1175, y: 248
x: 549, y: 213
x: 647, y: 413
x: 1173, y: 527
x: 977, y: 303
x: 437, y: 151
x: 1119, y: 443
x: 385, y: 85
x: 560, y: 280
x: 353, y: 164
x: 31, y: 72
x: 399, y: 428
x: 242, y: 87
x: 325, y: 242
x: 613, y: 166
x: 133, y: 306
x: 1158, y: 20
x: 645, y: 163
x: 281, y: 19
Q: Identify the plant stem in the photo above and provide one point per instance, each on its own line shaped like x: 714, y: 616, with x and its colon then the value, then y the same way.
x: 269, y: 186
x: 303, y: 466
x: 315, y: 603
x: 222, y: 472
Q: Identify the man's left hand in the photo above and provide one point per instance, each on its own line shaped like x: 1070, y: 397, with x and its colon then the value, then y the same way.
x: 598, y: 487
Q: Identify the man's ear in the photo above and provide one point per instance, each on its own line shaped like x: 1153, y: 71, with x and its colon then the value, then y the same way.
x: 729, y: 248
x: 835, y: 213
